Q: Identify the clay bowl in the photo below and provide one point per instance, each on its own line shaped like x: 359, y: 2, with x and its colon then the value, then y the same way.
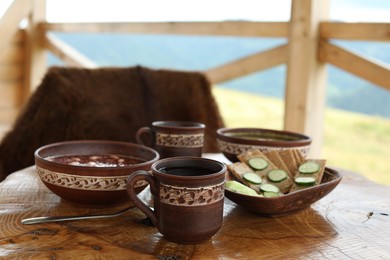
x: 234, y: 141
x: 289, y: 203
x: 94, y: 180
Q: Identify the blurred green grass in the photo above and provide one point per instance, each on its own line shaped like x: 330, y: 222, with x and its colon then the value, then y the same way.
x: 351, y: 141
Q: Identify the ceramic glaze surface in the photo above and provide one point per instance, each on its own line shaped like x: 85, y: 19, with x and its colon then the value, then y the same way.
x: 234, y: 141
x: 179, y: 140
x: 111, y: 183
x: 173, y: 138
x: 289, y: 203
x: 188, y: 197
x: 89, y: 184
x: 191, y: 197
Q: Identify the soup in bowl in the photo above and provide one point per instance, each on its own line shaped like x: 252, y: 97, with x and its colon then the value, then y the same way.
x: 92, y: 172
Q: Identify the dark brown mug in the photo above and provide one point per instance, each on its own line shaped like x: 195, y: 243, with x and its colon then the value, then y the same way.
x: 188, y: 197
x: 173, y: 138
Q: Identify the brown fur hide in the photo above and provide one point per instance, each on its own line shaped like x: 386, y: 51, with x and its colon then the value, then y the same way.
x: 109, y: 104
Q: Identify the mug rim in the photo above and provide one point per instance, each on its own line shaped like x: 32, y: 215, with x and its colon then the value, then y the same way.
x: 187, y: 158
x: 178, y: 124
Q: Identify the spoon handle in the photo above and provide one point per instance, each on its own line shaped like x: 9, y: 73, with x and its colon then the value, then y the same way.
x: 36, y: 220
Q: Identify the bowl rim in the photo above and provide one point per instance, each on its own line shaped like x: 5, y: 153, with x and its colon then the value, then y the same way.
x: 128, y: 144
x: 183, y: 125
x: 184, y: 160
x: 303, y: 139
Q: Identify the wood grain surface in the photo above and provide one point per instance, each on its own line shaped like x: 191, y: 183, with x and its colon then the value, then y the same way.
x: 352, y: 222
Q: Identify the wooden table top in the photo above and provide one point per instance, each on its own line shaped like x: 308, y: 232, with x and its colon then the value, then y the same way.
x: 352, y: 222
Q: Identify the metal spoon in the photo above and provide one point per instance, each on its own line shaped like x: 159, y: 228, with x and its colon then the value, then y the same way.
x: 30, y: 221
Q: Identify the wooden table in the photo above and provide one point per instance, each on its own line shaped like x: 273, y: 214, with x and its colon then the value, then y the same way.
x: 352, y: 222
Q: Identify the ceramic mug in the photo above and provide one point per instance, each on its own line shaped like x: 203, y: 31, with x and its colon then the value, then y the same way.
x: 188, y: 197
x: 173, y: 138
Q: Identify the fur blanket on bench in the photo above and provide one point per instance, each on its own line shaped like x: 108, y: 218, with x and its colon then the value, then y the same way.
x: 109, y: 104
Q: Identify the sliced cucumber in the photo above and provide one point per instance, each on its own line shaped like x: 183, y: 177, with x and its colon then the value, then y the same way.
x: 270, y: 194
x: 237, y: 187
x: 258, y: 163
x: 252, y: 177
x: 266, y: 187
x: 232, y: 185
x: 309, y: 167
x: 305, y: 181
x: 277, y: 175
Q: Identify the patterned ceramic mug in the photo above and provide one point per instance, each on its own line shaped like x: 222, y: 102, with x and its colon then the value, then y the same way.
x: 173, y: 138
x: 188, y: 197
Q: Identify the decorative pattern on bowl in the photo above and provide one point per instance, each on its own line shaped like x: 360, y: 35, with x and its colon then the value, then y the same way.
x: 91, y: 183
x: 182, y: 140
x: 240, y: 148
x: 191, y: 197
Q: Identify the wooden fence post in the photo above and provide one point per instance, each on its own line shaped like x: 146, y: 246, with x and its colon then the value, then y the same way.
x: 305, y: 96
x: 36, y: 54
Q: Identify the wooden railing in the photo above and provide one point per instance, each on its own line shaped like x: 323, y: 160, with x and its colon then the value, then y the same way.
x: 307, y: 52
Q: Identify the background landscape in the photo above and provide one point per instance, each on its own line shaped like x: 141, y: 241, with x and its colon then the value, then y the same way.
x: 345, y: 91
x: 357, y: 126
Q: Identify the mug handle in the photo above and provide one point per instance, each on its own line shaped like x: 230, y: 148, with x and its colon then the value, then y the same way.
x: 143, y: 130
x: 131, y: 181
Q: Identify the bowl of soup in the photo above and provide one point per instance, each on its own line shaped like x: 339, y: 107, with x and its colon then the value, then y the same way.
x: 92, y: 172
x: 234, y: 141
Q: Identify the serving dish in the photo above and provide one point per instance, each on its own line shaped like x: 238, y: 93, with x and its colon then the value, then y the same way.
x: 288, y: 203
x: 92, y: 172
x: 234, y: 141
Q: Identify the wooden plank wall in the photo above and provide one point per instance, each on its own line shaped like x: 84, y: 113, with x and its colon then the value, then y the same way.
x: 12, y: 66
x: 22, y: 57
x: 309, y: 49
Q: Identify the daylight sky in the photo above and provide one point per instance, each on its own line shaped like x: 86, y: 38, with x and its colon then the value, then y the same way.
x: 203, y: 10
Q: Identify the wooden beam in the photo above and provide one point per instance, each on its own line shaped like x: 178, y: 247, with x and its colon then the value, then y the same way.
x: 19, y: 37
x: 356, y: 31
x: 11, y: 72
x: 228, y: 28
x: 368, y: 69
x: 67, y: 53
x: 35, y: 66
x: 8, y: 116
x: 9, y: 22
x: 10, y: 93
x: 14, y: 54
x: 247, y: 65
x: 305, y: 97
x: 10, y: 89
